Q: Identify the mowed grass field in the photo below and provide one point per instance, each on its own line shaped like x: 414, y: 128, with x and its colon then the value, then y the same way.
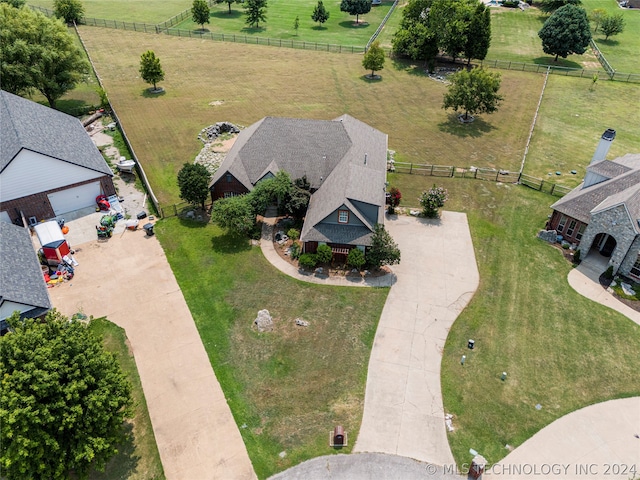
x: 286, y: 388
x: 255, y: 81
x: 339, y: 29
x: 559, y: 349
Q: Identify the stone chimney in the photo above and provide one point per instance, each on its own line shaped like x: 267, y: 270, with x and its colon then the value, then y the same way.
x: 604, y: 145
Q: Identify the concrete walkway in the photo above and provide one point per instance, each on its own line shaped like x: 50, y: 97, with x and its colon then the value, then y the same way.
x: 128, y: 280
x: 438, y: 275
x: 595, y: 442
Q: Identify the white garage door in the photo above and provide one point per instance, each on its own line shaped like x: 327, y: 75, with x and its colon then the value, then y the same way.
x: 74, y: 198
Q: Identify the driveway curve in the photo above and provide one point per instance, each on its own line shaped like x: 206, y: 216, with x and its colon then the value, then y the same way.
x: 128, y: 280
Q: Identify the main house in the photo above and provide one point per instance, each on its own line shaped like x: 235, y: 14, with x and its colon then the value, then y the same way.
x: 344, y: 161
x: 602, y: 214
x: 49, y: 165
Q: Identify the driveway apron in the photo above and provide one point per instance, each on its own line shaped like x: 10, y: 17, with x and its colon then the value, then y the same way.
x: 128, y: 280
x: 438, y: 275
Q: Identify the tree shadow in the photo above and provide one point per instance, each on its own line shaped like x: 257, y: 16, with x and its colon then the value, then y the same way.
x: 125, y: 463
x: 562, y: 62
x: 252, y: 29
x: 353, y: 24
x: 229, y: 243
x: 369, y: 79
x: 409, y: 66
x: 73, y: 107
x: 226, y: 14
x: 610, y: 42
x: 475, y: 129
x: 151, y: 93
x: 318, y: 27
x: 201, y: 31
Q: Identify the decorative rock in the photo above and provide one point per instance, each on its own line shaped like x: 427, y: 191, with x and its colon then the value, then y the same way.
x: 319, y: 270
x: 627, y: 289
x: 301, y: 323
x: 282, y: 454
x: 263, y: 321
x: 548, y: 235
x: 212, y: 132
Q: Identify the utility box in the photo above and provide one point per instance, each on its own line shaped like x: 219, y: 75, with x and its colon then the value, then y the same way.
x: 471, y: 344
x: 148, y: 227
x: 338, y: 437
x: 477, y: 466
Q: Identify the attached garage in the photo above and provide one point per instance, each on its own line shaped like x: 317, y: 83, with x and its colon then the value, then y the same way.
x: 74, y: 198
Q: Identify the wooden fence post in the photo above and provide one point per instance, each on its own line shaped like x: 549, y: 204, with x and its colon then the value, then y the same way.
x: 411, y: 169
x: 552, y: 188
x: 541, y: 183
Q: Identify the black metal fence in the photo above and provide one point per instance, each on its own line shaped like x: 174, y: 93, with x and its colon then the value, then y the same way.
x: 488, y: 174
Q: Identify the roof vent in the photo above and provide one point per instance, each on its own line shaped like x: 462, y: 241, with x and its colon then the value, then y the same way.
x: 604, y: 145
x: 365, y: 158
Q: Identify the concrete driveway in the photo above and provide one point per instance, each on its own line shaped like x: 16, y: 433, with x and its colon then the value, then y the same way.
x: 437, y: 276
x: 128, y: 280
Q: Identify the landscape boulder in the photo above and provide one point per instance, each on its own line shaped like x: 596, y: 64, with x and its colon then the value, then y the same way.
x: 263, y: 321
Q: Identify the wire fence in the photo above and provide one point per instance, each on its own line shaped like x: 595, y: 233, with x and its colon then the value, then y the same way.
x: 381, y: 26
x: 179, y: 17
x: 488, y: 174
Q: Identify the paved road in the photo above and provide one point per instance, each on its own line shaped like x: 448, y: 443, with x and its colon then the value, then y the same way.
x: 128, y: 280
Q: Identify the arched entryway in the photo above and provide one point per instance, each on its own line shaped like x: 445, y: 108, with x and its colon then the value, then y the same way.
x: 605, y: 244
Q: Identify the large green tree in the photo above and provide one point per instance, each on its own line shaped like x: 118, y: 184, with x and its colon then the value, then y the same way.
x: 374, y: 58
x: 234, y: 213
x: 320, y: 13
x: 355, y: 7
x: 415, y: 39
x: 473, y: 91
x: 150, y: 68
x: 229, y: 2
x: 193, y: 182
x: 565, y: 32
x: 383, y: 249
x: 38, y: 53
x: 71, y: 11
x: 200, y: 12
x: 478, y: 34
x: 449, y: 20
x: 15, y: 3
x: 256, y: 12
x: 612, y: 25
x: 64, y: 400
x: 549, y: 6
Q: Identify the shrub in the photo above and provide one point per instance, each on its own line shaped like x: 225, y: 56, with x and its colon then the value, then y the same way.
x: 608, y: 273
x: 324, y: 254
x: 356, y: 258
x: 295, y: 250
x: 293, y: 234
x: 432, y: 200
x: 576, y: 256
x: 307, y: 260
x: 511, y: 3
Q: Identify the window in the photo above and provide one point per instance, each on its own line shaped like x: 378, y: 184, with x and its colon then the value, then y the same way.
x: 229, y: 194
x: 580, y: 232
x: 563, y: 220
x: 343, y: 216
x: 635, y: 270
x: 571, y: 228
x: 229, y: 177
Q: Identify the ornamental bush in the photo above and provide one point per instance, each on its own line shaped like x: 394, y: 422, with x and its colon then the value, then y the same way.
x: 307, y: 260
x: 356, y: 258
x: 432, y: 200
x: 324, y: 254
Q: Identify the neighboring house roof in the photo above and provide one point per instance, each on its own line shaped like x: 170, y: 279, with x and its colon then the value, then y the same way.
x: 623, y: 188
x: 21, y: 279
x: 343, y: 159
x: 31, y: 126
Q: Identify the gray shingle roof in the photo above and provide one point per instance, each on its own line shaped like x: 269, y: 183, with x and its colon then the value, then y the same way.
x: 608, y: 168
x: 580, y: 202
x: 21, y: 279
x: 29, y: 125
x: 333, y: 233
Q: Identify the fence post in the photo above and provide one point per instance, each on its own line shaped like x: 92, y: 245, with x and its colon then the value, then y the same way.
x: 541, y: 183
x: 519, y: 176
x: 475, y: 174
x: 552, y: 188
x: 432, y: 170
x: 175, y: 210
x: 497, y: 173
x: 410, y: 168
x: 453, y: 170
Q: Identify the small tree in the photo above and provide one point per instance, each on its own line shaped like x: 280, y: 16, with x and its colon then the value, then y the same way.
x: 473, y: 91
x: 565, y: 32
x: 229, y: 2
x: 383, y: 250
x: 433, y: 200
x: 193, y: 182
x: 374, y: 59
x: 307, y: 260
x: 71, y: 11
x: 324, y: 254
x: 320, y: 13
x: 64, y: 400
x: 256, y: 12
x: 200, y: 12
x: 296, y: 24
x: 150, y: 68
x: 612, y: 25
x: 355, y: 7
x: 596, y: 16
x: 356, y: 258
x: 297, y: 201
x: 394, y: 199
x: 234, y: 213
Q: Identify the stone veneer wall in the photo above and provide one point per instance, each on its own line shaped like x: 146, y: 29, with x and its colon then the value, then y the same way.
x: 615, y: 222
x: 631, y: 257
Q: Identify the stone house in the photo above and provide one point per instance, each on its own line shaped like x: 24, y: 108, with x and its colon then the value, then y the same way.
x: 344, y: 161
x: 601, y: 216
x: 48, y: 164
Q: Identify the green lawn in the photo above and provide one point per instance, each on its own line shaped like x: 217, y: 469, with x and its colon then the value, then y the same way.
x: 287, y: 389
x: 559, y: 349
x: 141, y: 11
x: 138, y: 459
x: 339, y: 29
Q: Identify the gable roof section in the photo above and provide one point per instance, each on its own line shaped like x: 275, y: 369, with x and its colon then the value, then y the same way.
x: 608, y: 168
x: 580, y: 202
x: 629, y: 198
x: 29, y: 125
x: 21, y: 278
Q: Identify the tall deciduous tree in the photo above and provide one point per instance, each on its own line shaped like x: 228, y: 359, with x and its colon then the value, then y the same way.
x: 374, y: 58
x: 150, y: 68
x: 612, y: 25
x: 38, y: 53
x: 256, y: 12
x: 478, y: 34
x: 193, y: 182
x: 71, y: 11
x: 449, y: 20
x: 64, y: 400
x: 355, y: 7
x: 549, y: 6
x: 565, y: 32
x: 417, y: 42
x: 234, y: 213
x: 596, y: 16
x: 229, y: 2
x: 320, y: 13
x: 200, y: 12
x: 473, y: 91
x: 383, y: 249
